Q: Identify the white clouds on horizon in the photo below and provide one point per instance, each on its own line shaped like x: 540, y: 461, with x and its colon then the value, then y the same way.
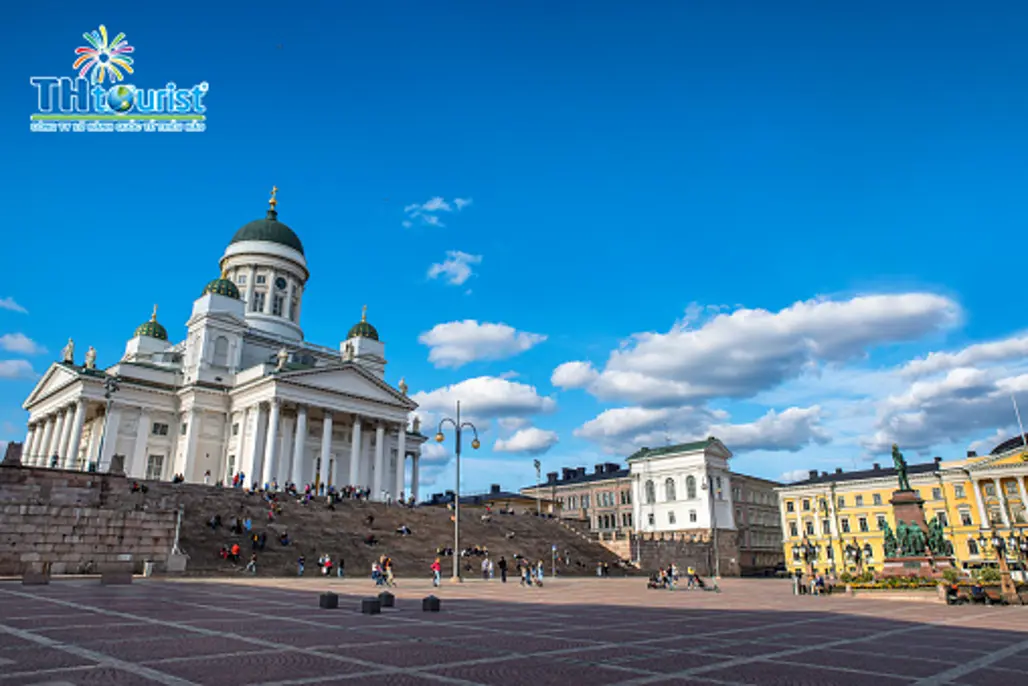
x: 530, y: 440
x: 456, y: 268
x: 455, y: 344
x: 486, y: 397
x: 9, y: 304
x: 20, y: 343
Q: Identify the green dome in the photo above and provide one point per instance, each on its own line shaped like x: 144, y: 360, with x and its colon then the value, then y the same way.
x: 222, y: 286
x: 269, y: 229
x: 152, y: 328
x: 362, y: 328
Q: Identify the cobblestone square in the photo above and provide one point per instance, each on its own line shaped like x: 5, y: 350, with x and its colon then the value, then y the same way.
x: 76, y: 632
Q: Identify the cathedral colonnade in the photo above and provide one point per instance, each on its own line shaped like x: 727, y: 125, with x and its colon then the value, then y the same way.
x: 58, y: 434
x: 279, y: 442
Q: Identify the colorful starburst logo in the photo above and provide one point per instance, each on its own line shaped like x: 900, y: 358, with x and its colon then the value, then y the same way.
x: 102, y: 59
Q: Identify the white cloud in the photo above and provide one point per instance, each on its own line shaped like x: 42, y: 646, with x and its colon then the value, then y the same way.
x: 454, y: 344
x: 16, y: 369
x: 574, y: 375
x: 428, y: 212
x: 532, y: 440
x: 625, y: 429
x: 961, y: 403
x: 20, y: 343
x: 9, y: 304
x: 1013, y: 348
x: 794, y: 475
x: 512, y: 423
x: 486, y: 397
x: 738, y: 354
x: 456, y: 268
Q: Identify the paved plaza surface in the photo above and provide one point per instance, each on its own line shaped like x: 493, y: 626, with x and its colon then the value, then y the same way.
x: 572, y: 631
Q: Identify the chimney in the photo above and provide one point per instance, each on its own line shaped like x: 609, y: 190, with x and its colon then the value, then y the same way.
x: 494, y: 489
x: 551, y: 477
x: 838, y: 470
x: 938, y: 460
x: 876, y: 467
x: 569, y: 473
x: 813, y: 473
x: 972, y: 453
x: 580, y: 471
x: 598, y: 469
x: 613, y: 467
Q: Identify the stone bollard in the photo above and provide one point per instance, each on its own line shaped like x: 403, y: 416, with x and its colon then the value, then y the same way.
x: 371, y: 606
x: 430, y: 604
x: 387, y: 599
x: 116, y: 574
x: 329, y: 601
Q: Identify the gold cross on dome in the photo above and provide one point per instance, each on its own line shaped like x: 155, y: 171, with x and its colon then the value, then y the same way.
x: 364, y: 313
x: 153, y: 317
x: 273, y: 201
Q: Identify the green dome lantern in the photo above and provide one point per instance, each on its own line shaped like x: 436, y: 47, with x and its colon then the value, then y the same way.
x: 223, y: 287
x: 152, y: 328
x: 269, y: 229
x: 363, y: 329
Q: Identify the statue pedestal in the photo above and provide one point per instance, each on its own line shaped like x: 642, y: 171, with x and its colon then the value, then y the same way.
x: 916, y: 565
x: 908, y: 507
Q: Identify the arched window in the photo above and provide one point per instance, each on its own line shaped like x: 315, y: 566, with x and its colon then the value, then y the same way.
x: 669, y: 489
x: 651, y: 493
x: 220, y: 352
x: 690, y: 487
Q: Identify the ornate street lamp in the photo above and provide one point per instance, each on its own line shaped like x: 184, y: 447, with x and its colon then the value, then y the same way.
x: 111, y: 386
x: 458, y: 427
x: 1000, y: 548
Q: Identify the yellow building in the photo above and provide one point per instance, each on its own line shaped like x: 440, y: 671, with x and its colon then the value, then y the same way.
x: 833, y: 521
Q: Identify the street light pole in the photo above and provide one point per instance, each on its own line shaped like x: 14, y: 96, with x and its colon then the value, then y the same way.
x: 538, y: 487
x: 111, y: 386
x: 458, y: 426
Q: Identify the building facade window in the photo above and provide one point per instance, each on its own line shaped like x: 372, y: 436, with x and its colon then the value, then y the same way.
x: 690, y: 487
x: 958, y: 491
x: 159, y: 429
x: 809, y: 526
x: 692, y: 516
x: 862, y: 524
x: 650, y: 518
x: 965, y: 518
x: 235, y: 429
x: 790, y: 506
x: 257, y: 305
x: 276, y: 305
x: 651, y: 493
x: 841, y: 502
x: 858, y: 501
x: 241, y: 279
x: 936, y: 494
x: 881, y: 522
x: 972, y: 546
x: 943, y: 519
x: 793, y: 531
x: 671, y: 517
x: 876, y: 498
x: 154, y: 467
x: 806, y: 505
x: 669, y: 489
x: 844, y: 524
x: 826, y: 527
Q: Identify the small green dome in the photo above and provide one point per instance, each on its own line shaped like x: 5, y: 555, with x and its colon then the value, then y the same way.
x: 152, y: 328
x: 269, y: 229
x: 363, y: 329
x: 222, y: 286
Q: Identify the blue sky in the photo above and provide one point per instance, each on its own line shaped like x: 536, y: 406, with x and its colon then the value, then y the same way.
x: 719, y: 210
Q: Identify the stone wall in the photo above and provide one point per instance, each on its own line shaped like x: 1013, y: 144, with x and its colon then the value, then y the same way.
x: 659, y: 551
x: 79, y: 521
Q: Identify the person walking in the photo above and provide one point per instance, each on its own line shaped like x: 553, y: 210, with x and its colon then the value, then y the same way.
x: 299, y: 565
x: 492, y: 571
x: 436, y: 569
x: 502, y: 564
x: 485, y: 569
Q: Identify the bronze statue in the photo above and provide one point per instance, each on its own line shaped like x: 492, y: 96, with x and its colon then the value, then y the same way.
x: 937, y: 542
x: 901, y: 468
x: 890, y: 541
x: 915, y: 540
x: 901, y: 538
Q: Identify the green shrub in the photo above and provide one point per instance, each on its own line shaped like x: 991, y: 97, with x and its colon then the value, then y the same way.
x: 989, y: 575
x: 951, y: 574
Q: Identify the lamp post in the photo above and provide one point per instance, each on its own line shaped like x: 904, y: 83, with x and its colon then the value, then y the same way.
x: 712, y: 492
x: 538, y: 487
x: 855, y: 554
x: 111, y: 386
x: 999, y: 547
x: 458, y: 427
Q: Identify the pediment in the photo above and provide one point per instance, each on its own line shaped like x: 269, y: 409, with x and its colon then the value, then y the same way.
x: 1010, y: 459
x: 55, y: 379
x: 349, y: 379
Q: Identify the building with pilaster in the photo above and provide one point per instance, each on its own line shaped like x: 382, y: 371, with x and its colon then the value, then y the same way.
x: 242, y: 393
x: 840, y: 516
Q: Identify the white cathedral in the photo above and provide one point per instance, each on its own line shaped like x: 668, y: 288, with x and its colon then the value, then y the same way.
x: 243, y: 393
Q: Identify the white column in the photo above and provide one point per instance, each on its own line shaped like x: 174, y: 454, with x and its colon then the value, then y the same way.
x: 300, y: 470
x: 188, y: 461
x: 62, y: 446
x: 982, y: 514
x: 401, y: 459
x: 367, y: 465
x: 355, y: 451
x: 1002, y: 502
x: 285, y: 449
x: 326, y: 452
x: 110, y: 430
x: 271, y: 445
x: 379, y: 477
x: 27, y: 445
x: 136, y: 467
x: 55, y: 437
x: 269, y: 293
x: 414, y: 470
x: 76, y: 435
x: 1024, y: 495
x: 250, y: 284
